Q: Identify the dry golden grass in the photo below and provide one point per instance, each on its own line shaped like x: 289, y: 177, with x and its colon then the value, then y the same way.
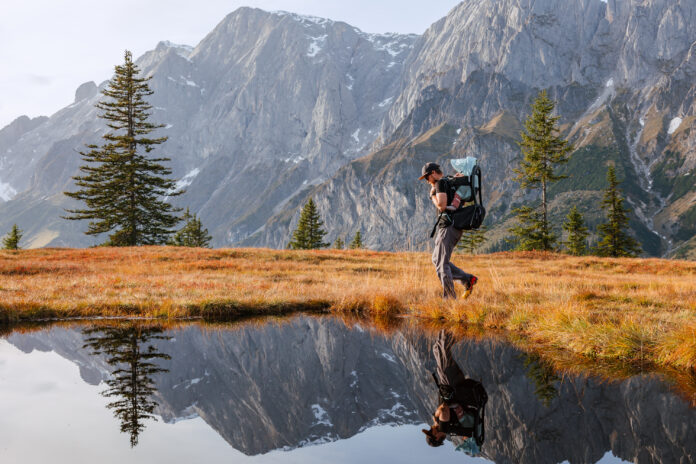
x: 635, y: 310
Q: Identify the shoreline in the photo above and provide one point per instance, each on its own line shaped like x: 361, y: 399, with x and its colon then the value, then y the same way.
x: 625, y: 309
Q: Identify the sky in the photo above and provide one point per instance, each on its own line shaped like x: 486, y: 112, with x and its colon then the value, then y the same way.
x: 50, y: 47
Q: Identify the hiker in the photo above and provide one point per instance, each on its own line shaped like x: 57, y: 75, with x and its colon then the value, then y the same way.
x: 442, y: 195
x: 460, y: 413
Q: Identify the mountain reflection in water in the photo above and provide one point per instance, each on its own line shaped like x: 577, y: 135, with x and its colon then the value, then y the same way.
x: 274, y: 389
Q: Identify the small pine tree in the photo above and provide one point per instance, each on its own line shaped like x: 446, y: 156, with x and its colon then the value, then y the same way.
x: 357, y: 241
x: 472, y: 239
x: 339, y: 244
x: 577, y: 233
x: 123, y: 189
x: 527, y: 234
x: 542, y: 149
x: 192, y: 234
x: 11, y: 240
x: 309, y: 232
x: 614, y: 241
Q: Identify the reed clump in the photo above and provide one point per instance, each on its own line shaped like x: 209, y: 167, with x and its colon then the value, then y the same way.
x: 631, y: 310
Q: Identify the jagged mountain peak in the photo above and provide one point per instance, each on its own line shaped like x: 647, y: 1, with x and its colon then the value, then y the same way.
x: 270, y: 106
x: 262, y: 93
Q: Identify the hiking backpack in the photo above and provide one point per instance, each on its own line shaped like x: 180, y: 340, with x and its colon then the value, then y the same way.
x: 464, y: 189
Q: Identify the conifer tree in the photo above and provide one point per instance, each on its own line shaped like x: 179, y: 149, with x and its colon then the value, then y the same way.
x: 11, y: 240
x: 527, y: 233
x: 542, y: 149
x: 192, y: 234
x: 577, y: 233
x: 357, y: 241
x: 309, y: 232
x: 124, y: 190
x: 339, y: 244
x: 614, y: 241
x: 472, y: 239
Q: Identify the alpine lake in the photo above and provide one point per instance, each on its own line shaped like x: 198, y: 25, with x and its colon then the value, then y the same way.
x: 318, y: 389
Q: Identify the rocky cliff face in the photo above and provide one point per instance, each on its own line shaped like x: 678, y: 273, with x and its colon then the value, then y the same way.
x: 265, y: 106
x: 621, y: 73
x: 309, y: 381
x: 272, y: 108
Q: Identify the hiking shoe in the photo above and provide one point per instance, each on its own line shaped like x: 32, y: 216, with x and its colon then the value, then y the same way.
x: 469, y: 286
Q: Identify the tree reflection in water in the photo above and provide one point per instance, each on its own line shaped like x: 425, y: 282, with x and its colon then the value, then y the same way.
x: 544, y: 377
x: 129, y: 350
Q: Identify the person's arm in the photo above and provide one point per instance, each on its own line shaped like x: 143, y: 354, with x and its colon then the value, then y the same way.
x: 440, y: 201
x: 443, y: 413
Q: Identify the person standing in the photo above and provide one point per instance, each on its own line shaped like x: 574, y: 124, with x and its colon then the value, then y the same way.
x: 447, y: 235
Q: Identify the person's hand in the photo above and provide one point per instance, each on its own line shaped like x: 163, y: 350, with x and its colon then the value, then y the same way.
x: 459, y: 174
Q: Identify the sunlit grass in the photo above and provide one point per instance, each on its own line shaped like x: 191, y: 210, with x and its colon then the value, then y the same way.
x: 632, y: 310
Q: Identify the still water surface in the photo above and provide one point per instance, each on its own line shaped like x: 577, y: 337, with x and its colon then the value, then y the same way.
x: 310, y: 390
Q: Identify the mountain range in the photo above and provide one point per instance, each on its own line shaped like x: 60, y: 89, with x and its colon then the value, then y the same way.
x: 272, y: 108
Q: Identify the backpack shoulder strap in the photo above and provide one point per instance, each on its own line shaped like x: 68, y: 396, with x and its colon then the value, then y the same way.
x: 476, y: 174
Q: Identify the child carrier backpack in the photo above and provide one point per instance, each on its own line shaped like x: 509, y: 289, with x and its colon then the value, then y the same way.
x: 464, y: 189
x: 472, y: 397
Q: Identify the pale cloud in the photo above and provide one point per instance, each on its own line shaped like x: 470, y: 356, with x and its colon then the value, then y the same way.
x: 52, y: 47
x: 37, y: 79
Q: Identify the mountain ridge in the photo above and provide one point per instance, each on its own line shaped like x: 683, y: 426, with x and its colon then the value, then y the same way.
x: 256, y: 130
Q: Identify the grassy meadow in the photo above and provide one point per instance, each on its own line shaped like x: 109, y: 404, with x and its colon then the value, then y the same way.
x: 632, y: 310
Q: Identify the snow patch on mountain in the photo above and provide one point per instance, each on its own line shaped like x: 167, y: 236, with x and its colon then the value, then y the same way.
x: 306, y: 20
x: 190, y: 412
x: 354, y: 379
x: 183, y: 51
x: 321, y: 416
x: 187, y: 179
x: 355, y: 135
x: 385, y: 102
x: 294, y: 158
x: 6, y: 191
x: 391, y: 43
x: 674, y: 125
x: 351, y: 79
x: 316, y: 45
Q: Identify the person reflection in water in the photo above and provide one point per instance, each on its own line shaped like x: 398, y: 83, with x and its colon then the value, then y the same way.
x: 462, y: 401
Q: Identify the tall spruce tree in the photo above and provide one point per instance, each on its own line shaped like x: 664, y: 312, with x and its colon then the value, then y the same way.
x: 125, y: 190
x: 309, y: 232
x: 576, y: 242
x: 357, y: 242
x: 542, y: 149
x: 472, y: 239
x: 11, y: 240
x: 614, y: 241
x: 192, y: 234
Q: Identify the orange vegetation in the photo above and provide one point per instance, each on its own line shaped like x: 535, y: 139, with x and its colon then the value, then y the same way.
x: 624, y: 309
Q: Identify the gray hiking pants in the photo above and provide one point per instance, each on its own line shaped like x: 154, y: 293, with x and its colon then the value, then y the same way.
x: 448, y: 371
x: 445, y: 241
